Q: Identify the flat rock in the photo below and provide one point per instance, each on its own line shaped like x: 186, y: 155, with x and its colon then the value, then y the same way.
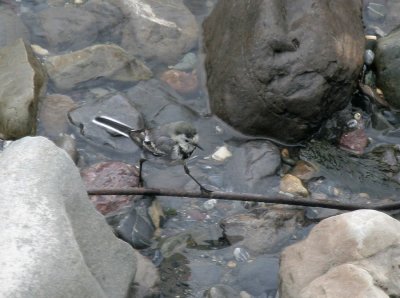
x: 116, y: 106
x: 159, y: 30
x: 22, y: 81
x: 251, y: 164
x: 98, y: 61
x: 12, y: 28
x: 53, y: 114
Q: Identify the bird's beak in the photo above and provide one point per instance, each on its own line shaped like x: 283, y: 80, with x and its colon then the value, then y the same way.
x: 198, y: 146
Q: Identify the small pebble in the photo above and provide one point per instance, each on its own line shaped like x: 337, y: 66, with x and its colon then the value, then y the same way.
x: 231, y: 264
x: 221, y: 154
x: 292, y: 184
x: 240, y: 254
x: 210, y: 204
x: 38, y: 50
x: 369, y: 56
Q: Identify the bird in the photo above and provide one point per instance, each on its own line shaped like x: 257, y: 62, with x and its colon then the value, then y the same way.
x: 172, y: 142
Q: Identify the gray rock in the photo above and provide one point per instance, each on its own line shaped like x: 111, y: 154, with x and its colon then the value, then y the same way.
x: 12, y: 28
x: 251, y: 164
x: 221, y: 291
x: 62, y: 28
x: 260, y: 276
x: 160, y: 30
x: 98, y: 61
x: 68, y: 144
x: 22, y: 81
x: 117, y: 107
x: 53, y: 114
x: 388, y: 73
x: 269, y: 74
x: 54, y: 243
x: 264, y: 230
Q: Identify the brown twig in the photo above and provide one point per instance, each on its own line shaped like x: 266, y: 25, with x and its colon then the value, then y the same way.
x: 278, y: 199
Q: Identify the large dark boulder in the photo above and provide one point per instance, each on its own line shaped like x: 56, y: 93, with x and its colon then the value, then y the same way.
x: 279, y: 68
x: 387, y: 66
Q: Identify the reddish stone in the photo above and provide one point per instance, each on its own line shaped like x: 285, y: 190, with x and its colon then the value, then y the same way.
x: 180, y: 81
x: 112, y: 174
x: 354, y: 141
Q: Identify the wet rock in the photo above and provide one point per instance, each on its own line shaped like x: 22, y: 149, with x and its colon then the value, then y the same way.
x: 221, y: 291
x: 357, y: 174
x: 251, y: 164
x: 147, y: 279
x: 188, y: 62
x: 376, y: 10
x: 263, y: 230
x: 68, y: 144
x: 135, y: 226
x: 381, y: 16
x: 53, y: 114
x: 159, y: 103
x: 163, y: 31
x: 60, y: 235
x: 98, y: 61
x: 173, y: 245
x: 205, y: 274
x: 354, y: 254
x: 271, y: 85
x: 182, y: 82
x: 57, y: 28
x: 110, y: 19
x: 111, y: 174
x: 387, y: 73
x: 22, y: 81
x: 12, y: 28
x: 259, y: 277
x: 354, y: 141
x: 304, y: 170
x: 293, y: 185
x: 116, y: 106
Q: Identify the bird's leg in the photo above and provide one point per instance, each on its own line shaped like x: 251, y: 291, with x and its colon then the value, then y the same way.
x: 202, y: 188
x: 141, y: 161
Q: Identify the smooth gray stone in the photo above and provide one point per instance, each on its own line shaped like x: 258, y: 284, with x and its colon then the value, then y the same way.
x: 53, y: 242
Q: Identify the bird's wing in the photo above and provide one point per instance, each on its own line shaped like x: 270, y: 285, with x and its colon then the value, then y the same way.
x: 164, y: 144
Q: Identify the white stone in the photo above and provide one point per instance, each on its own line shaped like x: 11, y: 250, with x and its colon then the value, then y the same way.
x: 356, y: 253
x: 221, y: 154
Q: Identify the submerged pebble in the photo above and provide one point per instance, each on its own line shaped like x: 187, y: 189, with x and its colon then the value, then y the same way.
x: 188, y: 62
x: 369, y: 56
x: 210, y: 204
x: 240, y: 254
x: 293, y: 185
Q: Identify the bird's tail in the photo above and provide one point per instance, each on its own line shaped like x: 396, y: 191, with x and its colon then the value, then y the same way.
x: 113, y: 125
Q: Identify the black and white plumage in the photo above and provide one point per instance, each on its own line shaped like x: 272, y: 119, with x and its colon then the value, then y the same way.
x: 174, y: 141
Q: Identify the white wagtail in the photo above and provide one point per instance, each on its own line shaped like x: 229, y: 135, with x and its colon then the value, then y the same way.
x: 174, y: 141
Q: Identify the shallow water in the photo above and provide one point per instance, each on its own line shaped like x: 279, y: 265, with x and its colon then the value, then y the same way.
x: 192, y: 252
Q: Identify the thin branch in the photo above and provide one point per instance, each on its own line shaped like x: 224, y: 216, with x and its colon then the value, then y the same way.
x: 278, y: 199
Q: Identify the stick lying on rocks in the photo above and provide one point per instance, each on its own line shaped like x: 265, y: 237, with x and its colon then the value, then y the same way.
x: 278, y: 199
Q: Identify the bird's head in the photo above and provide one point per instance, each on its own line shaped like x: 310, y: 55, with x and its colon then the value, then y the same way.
x: 186, y: 137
